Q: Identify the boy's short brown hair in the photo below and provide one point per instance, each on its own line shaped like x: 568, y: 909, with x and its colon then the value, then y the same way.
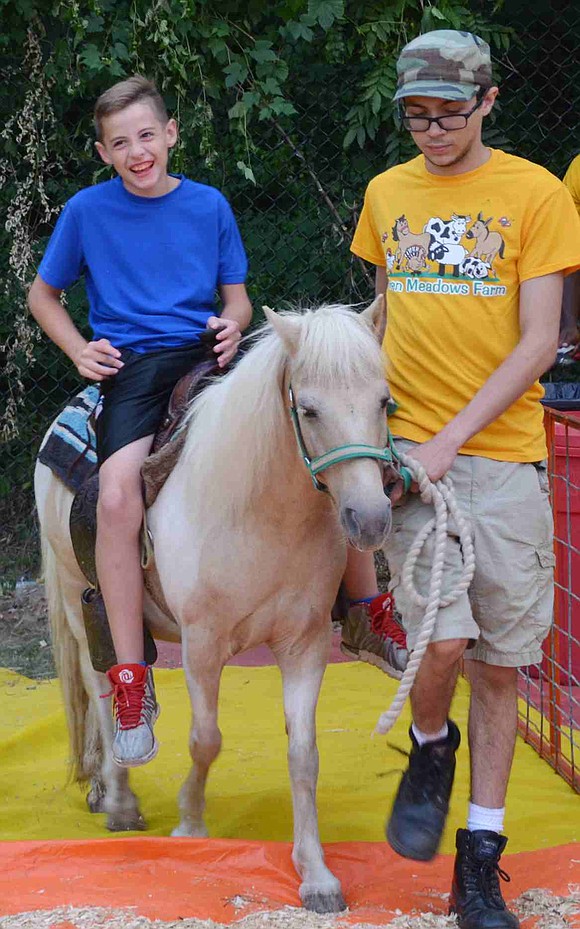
x: 135, y: 89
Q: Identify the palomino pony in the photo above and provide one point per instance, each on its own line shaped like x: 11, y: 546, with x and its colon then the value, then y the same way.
x: 247, y: 551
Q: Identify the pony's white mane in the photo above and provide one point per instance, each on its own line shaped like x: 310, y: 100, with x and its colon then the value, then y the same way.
x: 239, y: 423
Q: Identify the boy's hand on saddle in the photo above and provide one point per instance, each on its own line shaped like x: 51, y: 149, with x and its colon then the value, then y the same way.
x: 99, y: 360
x: 228, y: 336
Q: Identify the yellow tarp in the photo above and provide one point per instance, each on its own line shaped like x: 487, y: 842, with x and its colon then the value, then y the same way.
x: 248, y: 792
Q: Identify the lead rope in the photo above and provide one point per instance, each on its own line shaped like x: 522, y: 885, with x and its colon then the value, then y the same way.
x: 442, y: 496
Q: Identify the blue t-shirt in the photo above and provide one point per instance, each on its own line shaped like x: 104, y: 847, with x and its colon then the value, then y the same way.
x: 151, y: 264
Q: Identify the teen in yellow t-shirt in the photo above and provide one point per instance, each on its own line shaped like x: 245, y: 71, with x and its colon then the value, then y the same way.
x: 472, y: 246
x: 456, y: 249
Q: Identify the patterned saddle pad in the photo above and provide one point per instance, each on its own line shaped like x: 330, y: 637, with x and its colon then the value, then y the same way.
x: 70, y: 453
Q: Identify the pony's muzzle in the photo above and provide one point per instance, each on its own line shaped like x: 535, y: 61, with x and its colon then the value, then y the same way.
x: 367, y: 528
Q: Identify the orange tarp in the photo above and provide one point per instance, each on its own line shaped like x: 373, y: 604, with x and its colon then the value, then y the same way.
x: 223, y: 879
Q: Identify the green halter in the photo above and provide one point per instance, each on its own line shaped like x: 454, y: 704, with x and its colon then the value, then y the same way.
x: 346, y: 452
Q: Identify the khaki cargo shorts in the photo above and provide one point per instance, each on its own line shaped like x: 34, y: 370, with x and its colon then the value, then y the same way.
x: 507, y: 610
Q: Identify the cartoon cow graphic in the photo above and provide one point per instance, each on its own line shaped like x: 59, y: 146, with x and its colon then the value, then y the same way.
x: 487, y: 244
x: 474, y: 268
x: 446, y: 235
x: 412, y: 247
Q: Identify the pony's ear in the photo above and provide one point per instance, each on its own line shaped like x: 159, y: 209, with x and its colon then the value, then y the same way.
x: 375, y: 316
x: 287, y: 328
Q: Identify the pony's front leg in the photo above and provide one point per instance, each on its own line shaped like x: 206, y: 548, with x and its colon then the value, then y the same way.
x: 302, y: 674
x: 203, y: 672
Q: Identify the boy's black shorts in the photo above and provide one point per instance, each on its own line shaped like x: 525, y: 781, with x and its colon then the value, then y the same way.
x: 135, y: 399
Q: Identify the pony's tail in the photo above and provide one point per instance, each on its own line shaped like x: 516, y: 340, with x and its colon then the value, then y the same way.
x: 66, y: 654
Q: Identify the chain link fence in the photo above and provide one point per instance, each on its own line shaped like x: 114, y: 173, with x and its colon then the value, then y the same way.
x: 297, y: 220
x: 540, y: 92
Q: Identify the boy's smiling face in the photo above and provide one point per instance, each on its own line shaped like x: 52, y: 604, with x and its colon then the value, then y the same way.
x: 137, y: 143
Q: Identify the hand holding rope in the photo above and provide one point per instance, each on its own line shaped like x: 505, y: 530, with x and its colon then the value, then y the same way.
x: 442, y: 495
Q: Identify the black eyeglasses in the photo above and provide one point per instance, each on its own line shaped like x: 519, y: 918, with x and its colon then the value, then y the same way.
x: 449, y: 123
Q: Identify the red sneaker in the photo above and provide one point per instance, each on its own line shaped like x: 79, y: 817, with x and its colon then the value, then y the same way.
x: 135, y: 709
x: 371, y: 633
x: 383, y: 621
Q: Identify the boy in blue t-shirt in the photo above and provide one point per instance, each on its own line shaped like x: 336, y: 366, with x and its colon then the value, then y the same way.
x: 153, y: 248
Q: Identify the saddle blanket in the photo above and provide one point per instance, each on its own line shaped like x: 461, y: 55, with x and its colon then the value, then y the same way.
x: 70, y: 450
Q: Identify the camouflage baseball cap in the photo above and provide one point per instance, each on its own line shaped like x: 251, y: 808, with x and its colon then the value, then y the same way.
x: 444, y: 63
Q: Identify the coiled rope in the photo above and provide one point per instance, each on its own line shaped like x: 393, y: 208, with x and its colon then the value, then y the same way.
x: 442, y: 496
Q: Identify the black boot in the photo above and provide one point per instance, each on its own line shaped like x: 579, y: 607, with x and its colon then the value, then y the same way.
x: 420, y: 808
x: 476, y: 893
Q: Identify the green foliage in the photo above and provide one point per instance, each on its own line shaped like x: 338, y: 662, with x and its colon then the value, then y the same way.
x: 286, y: 106
x: 245, y: 62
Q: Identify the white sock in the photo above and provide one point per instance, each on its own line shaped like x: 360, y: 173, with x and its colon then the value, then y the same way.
x: 482, y: 817
x: 423, y: 738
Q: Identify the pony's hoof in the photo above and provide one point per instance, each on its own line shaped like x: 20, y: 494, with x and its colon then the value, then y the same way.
x: 319, y: 902
x: 187, y: 831
x: 126, y: 822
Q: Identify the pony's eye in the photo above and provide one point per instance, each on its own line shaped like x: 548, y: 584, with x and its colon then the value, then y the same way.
x: 309, y: 412
x: 384, y: 403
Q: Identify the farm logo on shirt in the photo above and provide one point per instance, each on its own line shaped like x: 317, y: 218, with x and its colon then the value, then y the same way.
x: 458, y: 255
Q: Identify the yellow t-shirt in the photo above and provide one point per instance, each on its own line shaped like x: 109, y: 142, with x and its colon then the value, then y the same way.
x: 572, y: 181
x: 456, y: 250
